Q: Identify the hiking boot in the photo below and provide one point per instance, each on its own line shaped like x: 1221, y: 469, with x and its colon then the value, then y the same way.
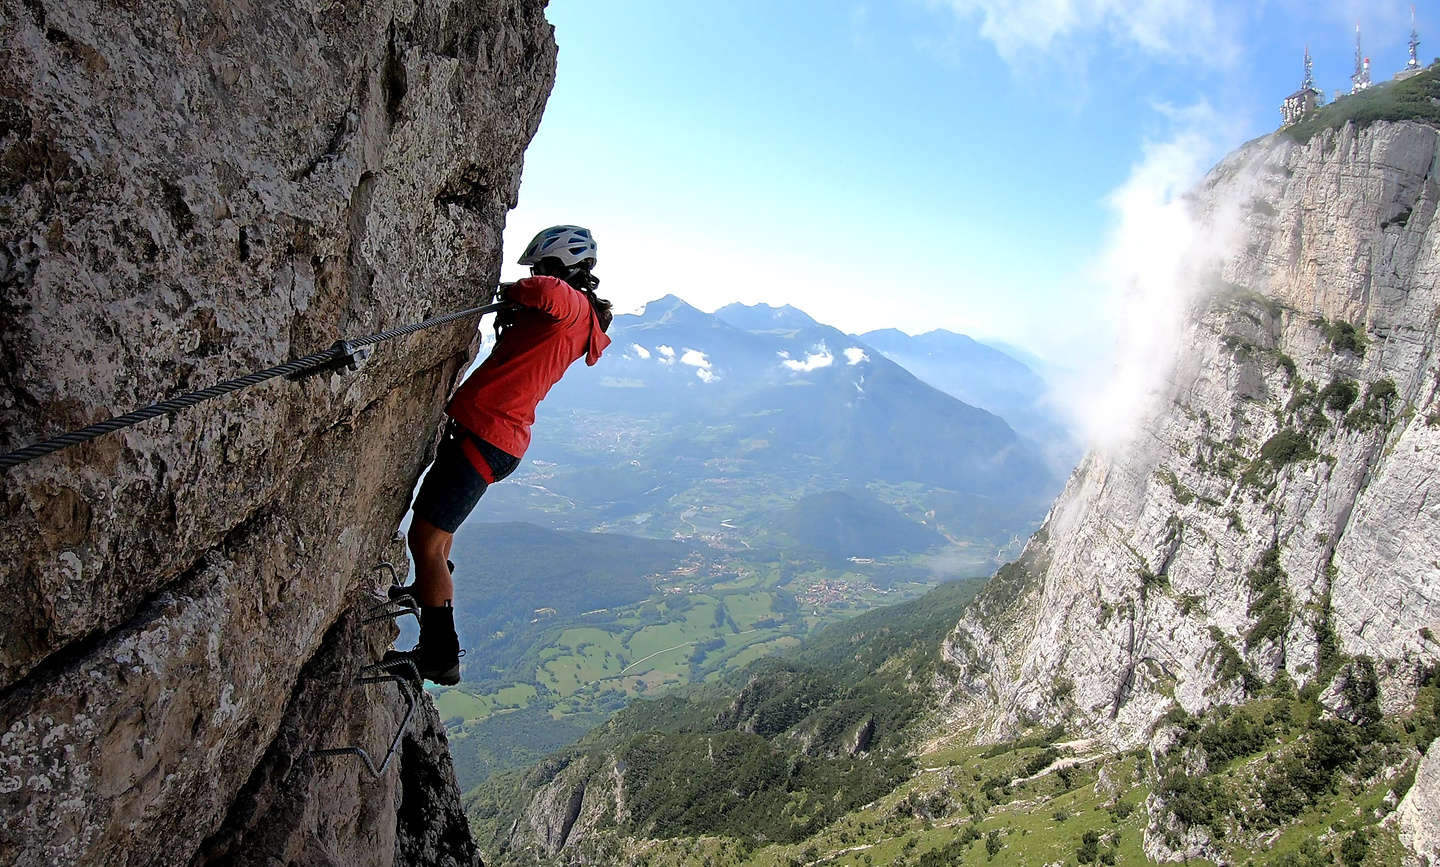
x: 441, y: 672
x: 437, y: 655
x: 400, y: 591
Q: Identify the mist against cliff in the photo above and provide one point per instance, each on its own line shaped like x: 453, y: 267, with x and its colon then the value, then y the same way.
x: 1158, y: 259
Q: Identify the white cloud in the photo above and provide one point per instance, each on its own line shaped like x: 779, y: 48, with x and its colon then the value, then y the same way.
x: 667, y: 355
x: 854, y: 355
x: 817, y: 359
x: 1023, y: 29
x: 695, y: 358
x: 640, y: 350
x: 1156, y: 263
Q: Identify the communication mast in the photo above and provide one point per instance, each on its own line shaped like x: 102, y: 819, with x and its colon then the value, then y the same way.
x: 1414, y: 62
x: 1305, y: 100
x: 1412, y: 67
x: 1361, y: 79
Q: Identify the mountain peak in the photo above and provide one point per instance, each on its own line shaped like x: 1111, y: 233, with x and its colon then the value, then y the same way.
x: 667, y: 308
x: 884, y: 334
x: 663, y: 305
x: 763, y: 317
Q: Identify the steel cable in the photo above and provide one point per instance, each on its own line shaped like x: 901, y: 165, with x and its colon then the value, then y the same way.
x: 317, y: 361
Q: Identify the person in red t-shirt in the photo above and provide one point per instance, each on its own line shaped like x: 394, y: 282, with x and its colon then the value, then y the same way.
x: 555, y: 318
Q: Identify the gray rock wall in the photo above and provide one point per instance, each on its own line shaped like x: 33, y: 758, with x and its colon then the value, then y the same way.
x: 189, y: 192
x: 1419, y: 813
x: 1275, y: 431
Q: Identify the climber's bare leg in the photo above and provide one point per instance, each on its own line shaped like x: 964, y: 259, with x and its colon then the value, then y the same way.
x: 429, y: 549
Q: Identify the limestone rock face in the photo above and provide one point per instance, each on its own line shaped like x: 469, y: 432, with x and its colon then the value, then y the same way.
x: 1278, y: 504
x: 1419, y: 812
x: 190, y: 192
x: 568, y: 804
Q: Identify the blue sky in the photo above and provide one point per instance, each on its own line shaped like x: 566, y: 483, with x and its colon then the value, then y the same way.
x: 963, y: 164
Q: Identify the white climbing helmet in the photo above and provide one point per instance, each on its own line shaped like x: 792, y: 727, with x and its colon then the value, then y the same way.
x: 570, y: 244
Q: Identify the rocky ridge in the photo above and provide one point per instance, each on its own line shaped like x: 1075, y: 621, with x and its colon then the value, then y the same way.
x: 189, y: 192
x: 1273, y: 516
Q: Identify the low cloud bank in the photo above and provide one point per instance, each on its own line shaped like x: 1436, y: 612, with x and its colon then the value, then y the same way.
x: 1159, y: 258
x: 816, y: 359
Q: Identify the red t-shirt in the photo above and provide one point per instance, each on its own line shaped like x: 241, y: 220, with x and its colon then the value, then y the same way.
x: 554, y: 325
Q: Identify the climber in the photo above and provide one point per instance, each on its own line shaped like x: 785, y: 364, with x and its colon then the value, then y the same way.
x: 555, y: 319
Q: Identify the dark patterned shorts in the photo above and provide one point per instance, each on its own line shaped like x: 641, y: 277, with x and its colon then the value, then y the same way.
x: 452, y: 485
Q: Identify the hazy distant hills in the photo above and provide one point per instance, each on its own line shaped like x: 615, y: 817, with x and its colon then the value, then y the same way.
x: 710, y: 426
x: 981, y: 376
x: 764, y: 318
x: 772, y: 385
x: 578, y: 572
x: 853, y: 524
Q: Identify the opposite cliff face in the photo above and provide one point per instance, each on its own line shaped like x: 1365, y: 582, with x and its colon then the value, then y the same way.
x: 189, y: 192
x: 1276, y: 512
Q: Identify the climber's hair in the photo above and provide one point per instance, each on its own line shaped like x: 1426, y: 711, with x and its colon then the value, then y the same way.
x: 579, y: 277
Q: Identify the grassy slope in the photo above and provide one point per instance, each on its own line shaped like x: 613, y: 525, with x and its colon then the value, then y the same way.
x: 785, y: 727
x: 1283, y: 783
x: 964, y: 806
x: 1390, y: 100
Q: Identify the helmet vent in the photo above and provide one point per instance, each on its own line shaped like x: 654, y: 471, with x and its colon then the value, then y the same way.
x: 570, y: 244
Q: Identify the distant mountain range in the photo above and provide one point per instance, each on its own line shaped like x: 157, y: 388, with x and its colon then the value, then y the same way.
x: 983, y: 376
x: 772, y: 385
x: 710, y: 426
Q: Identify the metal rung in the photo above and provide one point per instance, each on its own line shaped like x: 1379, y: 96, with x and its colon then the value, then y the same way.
x: 393, y: 609
x: 367, y: 676
x: 388, y: 667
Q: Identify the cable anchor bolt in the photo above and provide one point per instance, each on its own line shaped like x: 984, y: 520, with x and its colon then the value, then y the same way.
x: 347, y: 359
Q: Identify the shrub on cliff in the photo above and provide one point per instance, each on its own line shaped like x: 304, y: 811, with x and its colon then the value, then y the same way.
x: 1270, y: 602
x: 1286, y: 447
x: 1345, y: 337
x: 1377, y: 409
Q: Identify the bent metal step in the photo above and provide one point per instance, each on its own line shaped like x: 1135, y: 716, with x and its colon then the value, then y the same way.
x: 384, y: 672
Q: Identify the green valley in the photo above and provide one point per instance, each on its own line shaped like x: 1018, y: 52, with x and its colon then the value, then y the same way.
x: 831, y: 754
x: 544, y: 666
x: 614, y: 471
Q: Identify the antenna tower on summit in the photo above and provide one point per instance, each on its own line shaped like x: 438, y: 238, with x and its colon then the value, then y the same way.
x: 1414, y: 62
x: 1361, y: 79
x: 1298, y: 105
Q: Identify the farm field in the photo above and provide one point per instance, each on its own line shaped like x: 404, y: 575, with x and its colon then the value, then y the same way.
x: 713, y: 613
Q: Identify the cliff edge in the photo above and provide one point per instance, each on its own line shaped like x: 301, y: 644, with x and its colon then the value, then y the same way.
x: 1273, y: 518
x: 190, y: 192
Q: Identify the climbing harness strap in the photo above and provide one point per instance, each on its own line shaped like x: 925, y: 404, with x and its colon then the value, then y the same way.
x: 343, y: 355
